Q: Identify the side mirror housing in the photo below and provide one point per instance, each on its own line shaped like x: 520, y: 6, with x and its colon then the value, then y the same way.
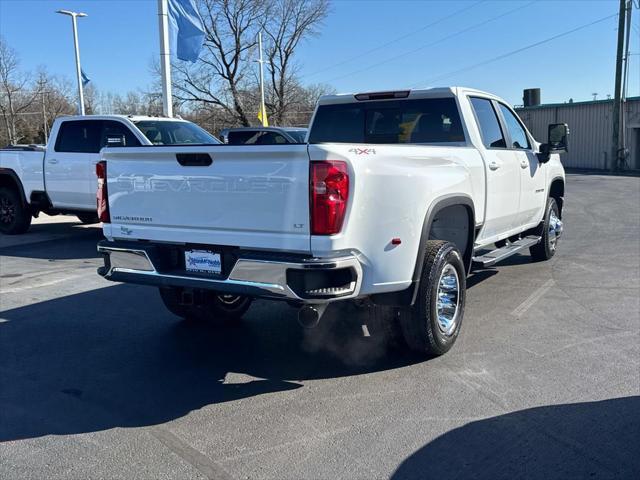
x: 557, y: 141
x: 558, y: 138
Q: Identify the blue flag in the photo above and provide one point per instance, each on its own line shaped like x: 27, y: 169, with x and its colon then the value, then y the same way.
x: 186, y: 32
x: 84, y: 77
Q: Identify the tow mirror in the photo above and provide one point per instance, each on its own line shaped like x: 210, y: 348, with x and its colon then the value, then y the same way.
x: 557, y: 141
x: 558, y: 138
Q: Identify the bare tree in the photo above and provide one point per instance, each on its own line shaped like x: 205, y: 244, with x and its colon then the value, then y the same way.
x: 224, y: 81
x: 219, y: 79
x: 290, y: 21
x: 15, y: 96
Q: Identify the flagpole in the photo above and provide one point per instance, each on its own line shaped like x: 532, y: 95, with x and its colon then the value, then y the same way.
x: 263, y: 110
x: 165, y: 58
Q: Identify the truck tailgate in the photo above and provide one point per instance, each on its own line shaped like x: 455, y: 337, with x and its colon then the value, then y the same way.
x: 249, y: 196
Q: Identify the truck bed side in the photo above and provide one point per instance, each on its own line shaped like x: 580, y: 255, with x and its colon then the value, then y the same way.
x: 27, y: 168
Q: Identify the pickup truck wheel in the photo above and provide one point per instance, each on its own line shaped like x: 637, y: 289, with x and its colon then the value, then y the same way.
x: 207, y: 306
x: 382, y: 321
x: 88, y: 218
x: 550, y: 230
x: 15, y: 217
x: 431, y: 326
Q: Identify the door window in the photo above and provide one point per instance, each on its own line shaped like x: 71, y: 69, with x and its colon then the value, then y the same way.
x: 492, y: 136
x: 112, y: 128
x: 79, y: 136
x: 516, y: 131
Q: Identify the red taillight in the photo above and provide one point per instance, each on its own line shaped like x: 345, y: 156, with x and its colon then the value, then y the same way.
x: 329, y: 195
x: 102, y: 197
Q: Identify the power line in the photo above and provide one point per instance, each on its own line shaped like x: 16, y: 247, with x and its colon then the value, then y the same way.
x: 522, y: 49
x: 440, y: 40
x: 395, y: 40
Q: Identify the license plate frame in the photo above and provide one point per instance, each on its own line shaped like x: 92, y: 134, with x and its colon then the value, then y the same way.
x: 203, y: 261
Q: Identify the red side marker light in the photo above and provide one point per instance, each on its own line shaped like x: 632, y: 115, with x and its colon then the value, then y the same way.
x: 396, y: 241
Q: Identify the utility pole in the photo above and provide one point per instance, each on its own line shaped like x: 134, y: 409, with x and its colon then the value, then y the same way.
x: 615, y: 137
x: 44, y: 113
x: 165, y: 58
x: 625, y: 81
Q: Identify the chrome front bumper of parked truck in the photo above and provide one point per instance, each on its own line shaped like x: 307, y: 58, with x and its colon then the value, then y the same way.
x: 298, y: 279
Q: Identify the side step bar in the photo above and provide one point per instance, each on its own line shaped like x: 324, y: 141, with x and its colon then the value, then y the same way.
x: 500, y: 254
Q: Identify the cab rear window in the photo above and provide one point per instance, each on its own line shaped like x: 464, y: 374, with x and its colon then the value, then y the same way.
x: 433, y: 120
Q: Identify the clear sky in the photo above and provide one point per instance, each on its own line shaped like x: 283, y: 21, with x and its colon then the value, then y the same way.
x: 363, y: 45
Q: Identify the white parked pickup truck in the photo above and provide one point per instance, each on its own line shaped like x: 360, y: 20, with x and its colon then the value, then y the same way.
x: 60, y: 178
x: 392, y: 200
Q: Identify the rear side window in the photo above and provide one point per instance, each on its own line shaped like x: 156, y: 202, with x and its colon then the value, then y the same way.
x: 111, y: 128
x: 298, y: 135
x: 271, y: 138
x: 516, y: 131
x: 241, y: 137
x: 79, y: 136
x: 256, y: 138
x: 433, y: 120
x: 492, y: 136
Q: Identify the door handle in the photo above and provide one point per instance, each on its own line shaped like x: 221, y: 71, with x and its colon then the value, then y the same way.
x: 53, y: 161
x: 493, y: 165
x: 524, y: 164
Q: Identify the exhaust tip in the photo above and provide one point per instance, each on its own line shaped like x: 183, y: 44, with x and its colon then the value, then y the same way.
x: 309, y: 316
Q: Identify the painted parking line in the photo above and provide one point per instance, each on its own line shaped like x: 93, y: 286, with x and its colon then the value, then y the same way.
x: 532, y: 299
x: 6, y: 291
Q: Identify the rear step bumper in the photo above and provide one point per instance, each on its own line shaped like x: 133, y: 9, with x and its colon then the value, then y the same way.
x: 305, y: 280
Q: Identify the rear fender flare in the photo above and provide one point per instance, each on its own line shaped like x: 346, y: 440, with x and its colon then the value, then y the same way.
x: 435, y: 207
x: 14, y: 180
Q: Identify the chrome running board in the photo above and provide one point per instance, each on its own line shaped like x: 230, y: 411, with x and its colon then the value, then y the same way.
x: 500, y: 254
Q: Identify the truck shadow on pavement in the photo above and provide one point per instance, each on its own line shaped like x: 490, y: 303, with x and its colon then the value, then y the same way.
x: 74, y: 243
x: 114, y: 357
x: 579, y: 440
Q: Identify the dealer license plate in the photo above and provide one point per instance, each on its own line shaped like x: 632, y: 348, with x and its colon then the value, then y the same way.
x: 202, y: 261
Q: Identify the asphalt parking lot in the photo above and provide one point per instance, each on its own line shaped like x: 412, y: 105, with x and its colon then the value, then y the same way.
x: 98, y: 380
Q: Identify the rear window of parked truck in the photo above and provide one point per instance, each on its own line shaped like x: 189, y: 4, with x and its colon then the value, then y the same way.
x: 432, y: 120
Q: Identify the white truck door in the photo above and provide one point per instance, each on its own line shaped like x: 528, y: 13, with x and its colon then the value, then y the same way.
x: 502, y: 169
x: 532, y: 176
x: 69, y: 167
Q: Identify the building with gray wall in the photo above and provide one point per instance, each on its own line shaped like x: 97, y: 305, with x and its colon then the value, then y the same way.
x: 590, y: 125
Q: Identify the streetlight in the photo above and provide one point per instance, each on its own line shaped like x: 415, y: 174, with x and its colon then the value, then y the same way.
x: 73, y: 16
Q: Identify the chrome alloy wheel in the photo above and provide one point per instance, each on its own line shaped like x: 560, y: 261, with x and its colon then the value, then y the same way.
x: 555, y: 230
x: 448, y: 301
x: 229, y: 299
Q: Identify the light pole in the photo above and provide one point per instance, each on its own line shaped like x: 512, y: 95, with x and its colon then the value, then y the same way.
x: 73, y: 16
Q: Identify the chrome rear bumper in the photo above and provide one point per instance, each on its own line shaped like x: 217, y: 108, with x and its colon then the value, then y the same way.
x: 297, y: 280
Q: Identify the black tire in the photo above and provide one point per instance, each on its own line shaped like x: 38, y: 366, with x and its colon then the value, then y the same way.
x: 207, y: 305
x: 15, y: 217
x: 547, y: 247
x: 422, y: 331
x: 88, y: 218
x: 383, y: 320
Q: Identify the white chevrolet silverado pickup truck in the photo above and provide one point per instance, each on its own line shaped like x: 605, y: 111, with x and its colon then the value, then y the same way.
x: 60, y: 178
x: 391, y: 200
